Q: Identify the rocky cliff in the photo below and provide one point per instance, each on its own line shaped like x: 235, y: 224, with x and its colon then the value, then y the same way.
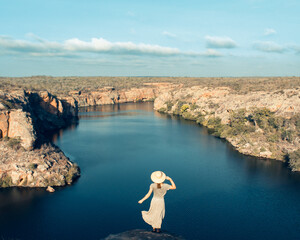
x: 264, y: 124
x: 25, y: 158
x: 110, y: 95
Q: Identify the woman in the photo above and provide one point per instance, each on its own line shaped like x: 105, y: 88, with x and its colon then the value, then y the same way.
x: 156, y: 213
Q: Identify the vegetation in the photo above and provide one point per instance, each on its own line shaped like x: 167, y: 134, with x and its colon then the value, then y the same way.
x: 169, y: 105
x: 5, y: 181
x: 63, y: 85
x: 162, y: 110
x: 294, y: 159
x: 33, y: 166
x: 9, y: 103
x: 193, y: 106
x: 72, y: 173
x: 184, y: 108
x: 14, y: 143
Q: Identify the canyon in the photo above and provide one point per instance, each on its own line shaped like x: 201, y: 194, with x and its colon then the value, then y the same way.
x: 262, y: 123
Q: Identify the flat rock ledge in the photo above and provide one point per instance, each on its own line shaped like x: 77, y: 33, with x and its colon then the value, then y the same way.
x: 43, y: 167
x: 140, y: 234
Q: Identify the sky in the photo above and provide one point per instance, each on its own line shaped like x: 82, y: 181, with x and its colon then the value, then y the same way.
x: 215, y: 38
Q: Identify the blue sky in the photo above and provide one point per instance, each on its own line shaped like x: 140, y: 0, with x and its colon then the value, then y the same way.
x: 150, y: 38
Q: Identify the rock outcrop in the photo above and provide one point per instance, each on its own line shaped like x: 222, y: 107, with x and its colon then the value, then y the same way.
x: 46, y: 166
x: 139, y: 234
x: 25, y: 159
x: 20, y: 125
x: 110, y: 95
x: 262, y: 124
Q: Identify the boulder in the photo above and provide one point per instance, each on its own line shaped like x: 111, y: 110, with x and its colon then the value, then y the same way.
x: 50, y: 189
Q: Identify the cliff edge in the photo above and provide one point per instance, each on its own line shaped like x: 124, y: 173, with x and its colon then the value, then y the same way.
x: 27, y: 159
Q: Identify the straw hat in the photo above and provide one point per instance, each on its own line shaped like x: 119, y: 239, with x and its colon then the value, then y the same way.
x: 158, y: 176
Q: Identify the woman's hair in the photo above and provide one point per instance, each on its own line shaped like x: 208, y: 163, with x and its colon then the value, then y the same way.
x: 158, y: 185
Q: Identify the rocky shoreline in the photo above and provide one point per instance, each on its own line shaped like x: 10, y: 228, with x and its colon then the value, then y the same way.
x: 261, y: 124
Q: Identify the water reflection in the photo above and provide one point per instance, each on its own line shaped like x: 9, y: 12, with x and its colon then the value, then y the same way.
x: 276, y: 171
x: 147, y: 106
x: 18, y: 198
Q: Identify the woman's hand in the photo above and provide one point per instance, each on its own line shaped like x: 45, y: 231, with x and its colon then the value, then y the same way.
x: 140, y: 202
x: 172, y: 182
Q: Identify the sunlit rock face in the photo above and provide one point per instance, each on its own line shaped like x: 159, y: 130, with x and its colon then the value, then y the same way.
x: 20, y: 125
x: 23, y: 120
x: 110, y: 95
x: 139, y: 234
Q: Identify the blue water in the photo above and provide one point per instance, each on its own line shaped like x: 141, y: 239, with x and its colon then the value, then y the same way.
x: 220, y: 193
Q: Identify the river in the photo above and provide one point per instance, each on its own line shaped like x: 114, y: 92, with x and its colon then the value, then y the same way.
x: 220, y: 193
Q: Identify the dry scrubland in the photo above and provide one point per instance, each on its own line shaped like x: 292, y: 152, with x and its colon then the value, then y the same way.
x: 63, y: 85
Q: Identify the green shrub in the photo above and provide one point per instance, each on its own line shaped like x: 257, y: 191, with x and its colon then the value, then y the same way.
x: 72, y: 174
x: 162, y: 110
x: 261, y: 117
x: 294, y: 159
x: 275, y: 122
x: 262, y: 149
x: 169, y: 105
x: 14, y: 143
x: 184, y: 108
x: 178, y: 109
x: 200, y: 119
x: 273, y: 138
x: 5, y: 181
x: 193, y: 106
x: 188, y: 116
x: 32, y: 166
x: 287, y: 135
x: 215, y: 126
x: 240, y: 124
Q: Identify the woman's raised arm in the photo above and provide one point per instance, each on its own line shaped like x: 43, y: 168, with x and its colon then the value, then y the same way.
x: 146, y: 196
x: 173, y: 187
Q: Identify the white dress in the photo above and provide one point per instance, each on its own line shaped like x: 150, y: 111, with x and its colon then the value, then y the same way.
x: 156, y: 213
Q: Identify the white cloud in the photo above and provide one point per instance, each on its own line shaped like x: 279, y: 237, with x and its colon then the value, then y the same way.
x: 270, y: 47
x: 220, y: 42
x: 168, y: 34
x: 100, y: 45
x: 76, y: 47
x: 269, y: 31
x: 212, y: 53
